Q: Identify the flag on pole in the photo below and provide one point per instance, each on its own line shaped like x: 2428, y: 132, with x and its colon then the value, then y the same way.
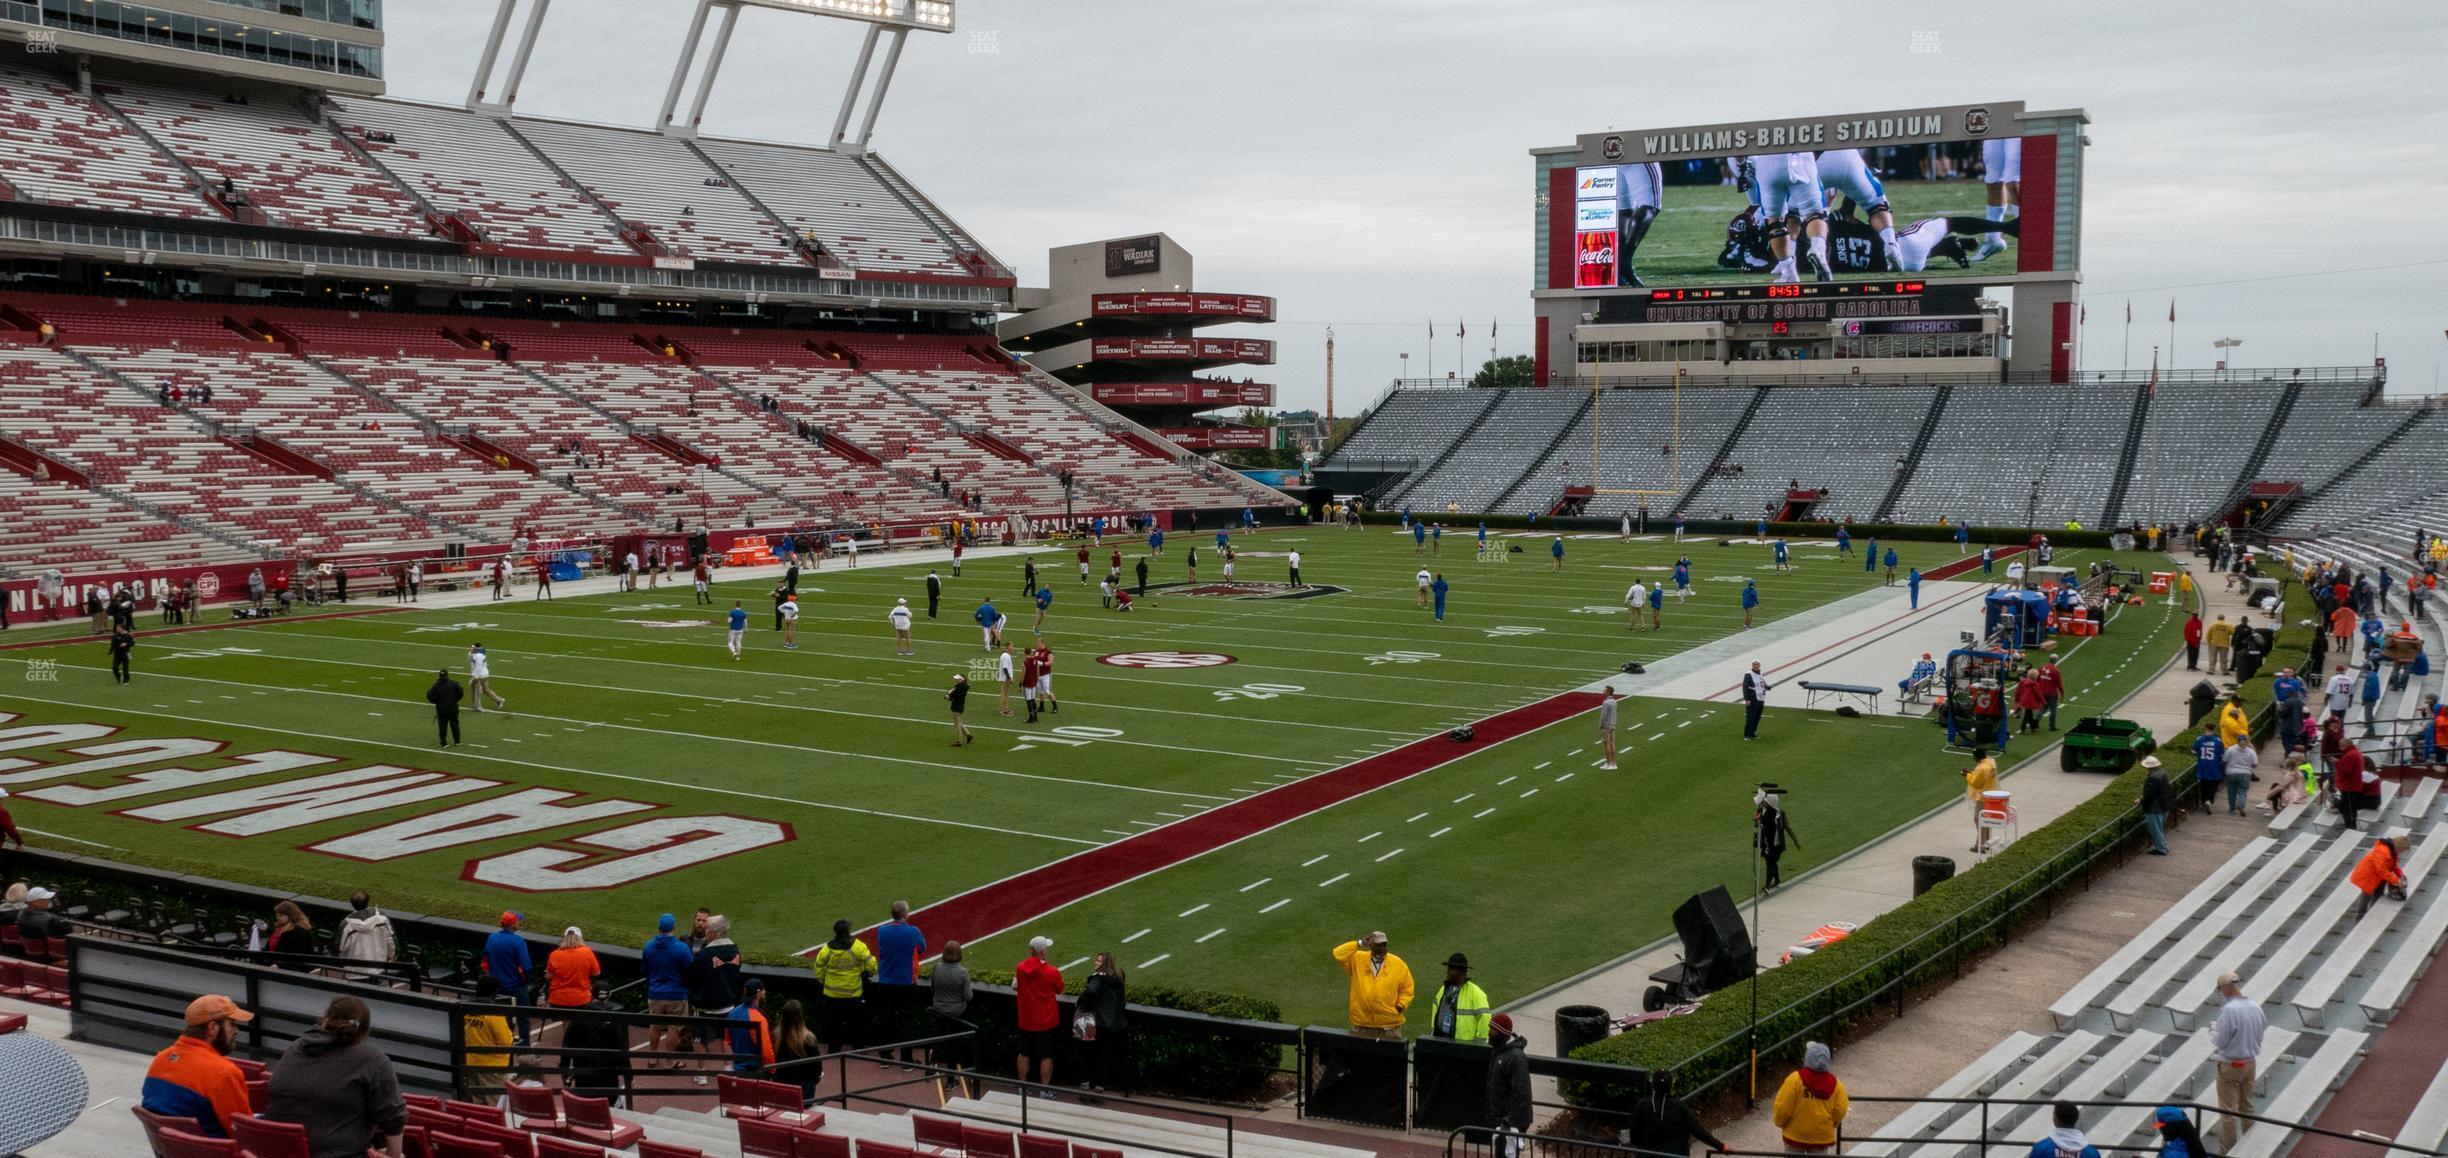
x: 1462, y: 329
x: 2129, y: 311
x: 2084, y: 318
x: 2171, y: 311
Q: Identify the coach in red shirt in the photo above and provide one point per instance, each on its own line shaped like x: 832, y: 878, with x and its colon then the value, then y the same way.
x: 1040, y: 987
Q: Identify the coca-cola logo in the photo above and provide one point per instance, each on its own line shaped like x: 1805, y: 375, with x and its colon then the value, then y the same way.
x: 1600, y: 255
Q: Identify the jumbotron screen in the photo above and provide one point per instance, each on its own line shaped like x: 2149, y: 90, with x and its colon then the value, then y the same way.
x: 1927, y: 194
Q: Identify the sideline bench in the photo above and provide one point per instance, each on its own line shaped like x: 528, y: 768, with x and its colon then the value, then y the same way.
x: 1813, y: 692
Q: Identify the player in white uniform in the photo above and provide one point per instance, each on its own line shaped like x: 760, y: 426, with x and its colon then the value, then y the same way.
x: 1790, y: 196
x: 1640, y: 192
x: 790, y: 622
x: 1847, y: 172
x: 1424, y: 577
x: 2002, y: 172
x: 1229, y: 556
x: 1638, y: 600
x: 480, y: 678
x: 1003, y: 678
x: 901, y: 628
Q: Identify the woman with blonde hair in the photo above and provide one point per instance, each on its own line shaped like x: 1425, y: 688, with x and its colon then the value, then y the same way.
x: 570, y: 971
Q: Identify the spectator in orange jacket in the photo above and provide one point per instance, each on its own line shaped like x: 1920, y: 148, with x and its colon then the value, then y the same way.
x: 570, y: 972
x: 2381, y: 869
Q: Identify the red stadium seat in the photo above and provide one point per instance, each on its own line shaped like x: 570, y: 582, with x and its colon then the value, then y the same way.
x: 761, y: 1138
x: 1041, y: 1146
x: 885, y: 1150
x: 514, y: 1143
x: 646, y: 1149
x: 941, y: 1133
x: 813, y: 1144
x: 591, y: 1120
x: 259, y: 1137
x: 154, y: 1124
x: 739, y: 1097
x: 474, y: 1111
x: 536, y: 1108
x: 458, y: 1146
x: 12, y: 1022
x: 551, y: 1147
x: 12, y: 980
x: 1096, y: 1152
x: 986, y: 1142
x: 428, y: 1101
x: 172, y: 1143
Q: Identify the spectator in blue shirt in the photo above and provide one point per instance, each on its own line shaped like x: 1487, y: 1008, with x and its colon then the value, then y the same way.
x: 899, y: 945
x: 2371, y: 701
x: 1891, y: 566
x: 665, y: 962
x: 2209, y: 764
x: 2067, y: 1140
x: 1437, y: 590
x: 1419, y: 537
x: 506, y: 961
x: 2288, y: 693
x: 1844, y: 542
x: 1750, y: 600
x: 1870, y: 557
x: 1912, y: 583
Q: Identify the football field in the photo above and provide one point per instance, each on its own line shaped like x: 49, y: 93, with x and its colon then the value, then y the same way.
x: 1682, y: 246
x: 1237, y: 779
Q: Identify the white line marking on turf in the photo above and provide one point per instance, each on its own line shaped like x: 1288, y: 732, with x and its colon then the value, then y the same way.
x: 1507, y: 780
x: 1277, y: 905
x: 1529, y: 794
x: 1075, y: 964
x: 1197, y: 908
x: 1315, y: 859
x: 1209, y: 937
x: 1655, y: 738
x: 1576, y: 752
x: 1368, y: 838
x: 1440, y: 832
x: 1150, y: 962
x: 1464, y: 796
x: 1118, y: 832
x: 1417, y: 819
x: 1482, y: 813
x: 1389, y: 856
x: 1564, y: 777
x: 1136, y: 936
x: 1542, y: 765
x: 1332, y: 879
x: 1684, y: 724
x: 1255, y: 883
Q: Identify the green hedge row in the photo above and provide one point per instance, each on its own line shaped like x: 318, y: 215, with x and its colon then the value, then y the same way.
x: 1862, y: 532
x: 1863, y: 976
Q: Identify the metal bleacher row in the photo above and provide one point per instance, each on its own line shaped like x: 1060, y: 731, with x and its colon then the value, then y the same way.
x: 395, y: 169
x: 329, y: 433
x: 1997, y: 454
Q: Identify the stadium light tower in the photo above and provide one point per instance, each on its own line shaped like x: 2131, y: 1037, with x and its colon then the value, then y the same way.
x: 2224, y: 345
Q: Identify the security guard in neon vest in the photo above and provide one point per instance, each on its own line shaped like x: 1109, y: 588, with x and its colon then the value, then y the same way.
x: 1460, y: 1008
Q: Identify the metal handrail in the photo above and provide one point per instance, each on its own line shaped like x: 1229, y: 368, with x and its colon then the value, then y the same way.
x: 929, y: 1073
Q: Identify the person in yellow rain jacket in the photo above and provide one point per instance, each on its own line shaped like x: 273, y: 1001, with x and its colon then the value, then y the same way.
x: 1380, y: 986
x: 2234, y: 726
x: 1811, y: 1106
x: 844, y: 964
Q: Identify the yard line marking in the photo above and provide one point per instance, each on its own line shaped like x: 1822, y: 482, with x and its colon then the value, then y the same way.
x: 1332, y: 879
x: 624, y: 777
x: 1684, y: 724
x: 1209, y: 937
x: 1315, y: 859
x: 1440, y: 832
x: 1482, y: 813
x: 1389, y: 856
x: 1136, y: 936
x: 1507, y: 780
x: 1576, y: 752
x: 1076, y: 964
x: 1655, y: 738
x: 1417, y: 819
x: 1197, y: 908
x: 1174, y: 815
x: 1368, y: 838
x: 1255, y: 883
x: 1464, y: 796
x: 1529, y: 794
x: 1564, y: 777
x: 1153, y: 960
x: 1147, y: 824
x: 1118, y: 832
x: 1277, y: 905
x: 1598, y: 763
x: 1542, y: 765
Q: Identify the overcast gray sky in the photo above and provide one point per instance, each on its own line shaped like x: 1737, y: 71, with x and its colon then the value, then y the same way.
x: 2280, y: 172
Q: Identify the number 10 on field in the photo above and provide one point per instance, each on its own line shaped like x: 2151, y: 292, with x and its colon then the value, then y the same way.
x: 1069, y: 736
x: 1259, y: 691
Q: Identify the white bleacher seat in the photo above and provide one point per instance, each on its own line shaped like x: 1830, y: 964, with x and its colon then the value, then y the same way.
x: 654, y: 179
x: 286, y: 164
x: 59, y: 147
x: 1924, y: 1117
x: 2202, y: 931
x: 466, y: 163
x: 1635, y: 426
x: 2301, y: 1094
x: 1845, y: 440
x: 2274, y: 974
x: 2194, y: 446
x: 2258, y: 935
x: 1513, y: 432
x: 1994, y: 443
x: 2173, y: 922
x: 841, y: 204
x: 2180, y: 1072
x: 2427, y: 1126
x: 2311, y: 999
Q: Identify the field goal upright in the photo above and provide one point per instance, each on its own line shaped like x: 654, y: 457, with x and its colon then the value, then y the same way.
x: 1628, y: 433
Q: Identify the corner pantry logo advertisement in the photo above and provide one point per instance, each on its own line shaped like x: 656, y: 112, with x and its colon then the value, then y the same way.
x: 564, y: 841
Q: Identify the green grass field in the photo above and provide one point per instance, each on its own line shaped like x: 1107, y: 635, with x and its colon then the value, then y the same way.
x: 1682, y: 245
x: 1522, y: 853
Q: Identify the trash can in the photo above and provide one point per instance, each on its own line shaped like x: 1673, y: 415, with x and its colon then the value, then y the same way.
x: 1577, y: 1026
x: 1929, y: 870
x: 2205, y: 701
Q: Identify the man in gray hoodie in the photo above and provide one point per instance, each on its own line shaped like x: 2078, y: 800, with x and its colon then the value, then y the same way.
x: 1508, y: 1087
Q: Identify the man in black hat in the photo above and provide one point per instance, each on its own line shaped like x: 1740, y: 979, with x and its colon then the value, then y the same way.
x: 1459, y: 1008
x: 445, y: 695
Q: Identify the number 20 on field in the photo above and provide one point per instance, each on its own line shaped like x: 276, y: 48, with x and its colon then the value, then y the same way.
x: 1259, y: 691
